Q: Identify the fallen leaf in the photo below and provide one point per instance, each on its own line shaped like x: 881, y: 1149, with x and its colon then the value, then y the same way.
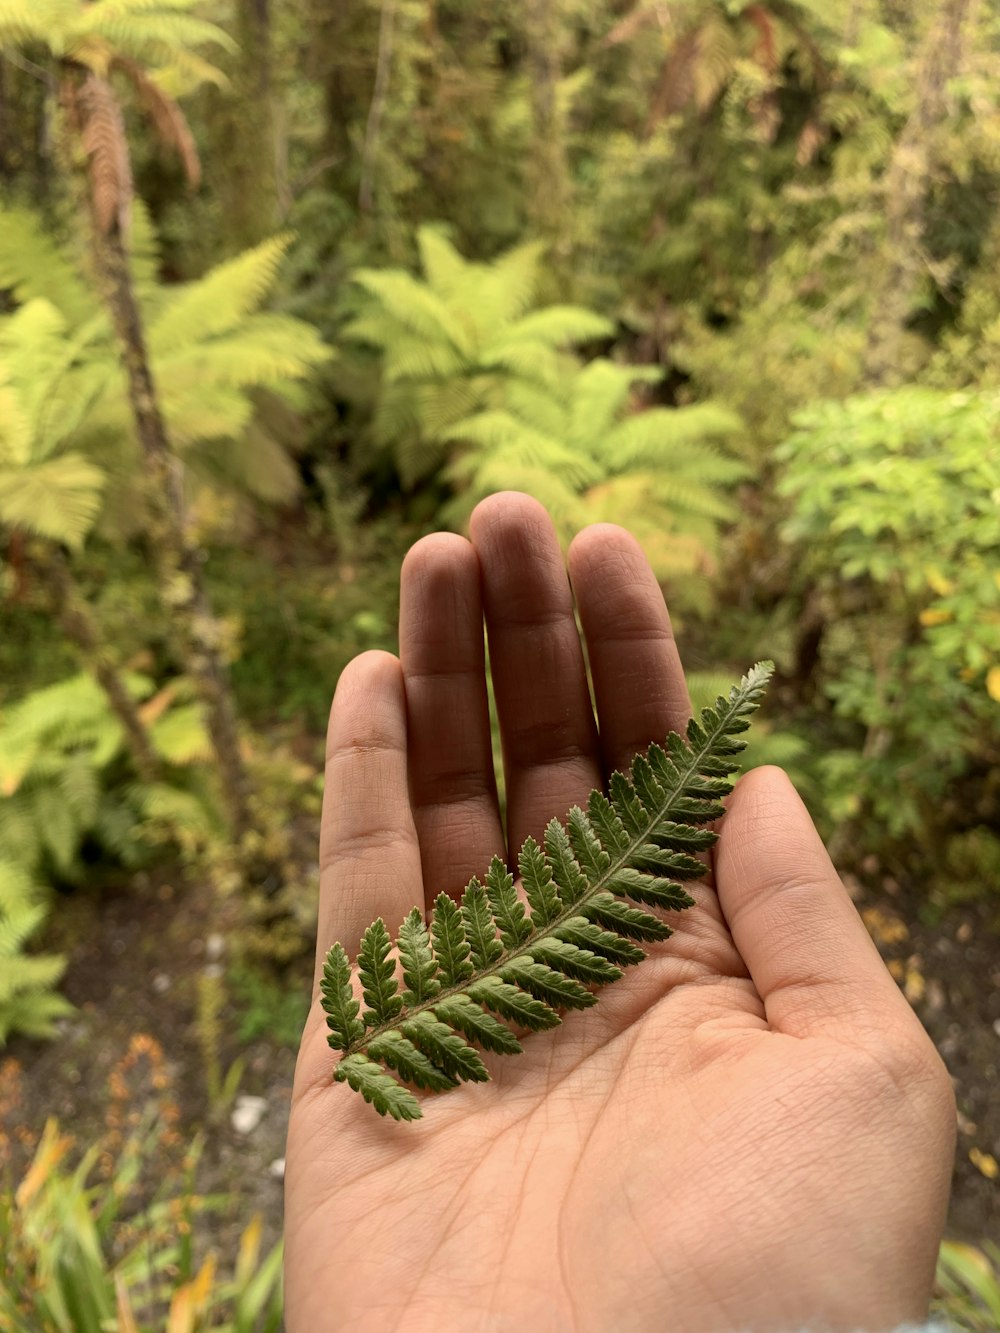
x: 985, y: 1163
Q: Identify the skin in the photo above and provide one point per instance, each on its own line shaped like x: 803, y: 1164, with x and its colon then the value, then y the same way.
x: 750, y: 1131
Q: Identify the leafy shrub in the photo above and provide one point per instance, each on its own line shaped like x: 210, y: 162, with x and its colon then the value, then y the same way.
x: 65, y: 794
x: 894, y: 523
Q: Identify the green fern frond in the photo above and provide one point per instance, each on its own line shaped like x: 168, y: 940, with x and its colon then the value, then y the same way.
x: 653, y: 436
x: 534, y: 361
x: 601, y: 392
x: 490, y: 961
x: 416, y: 309
x: 508, y: 286
x: 253, y: 464
x: 413, y: 358
x: 33, y: 20
x: 33, y: 265
x: 561, y: 326
x: 446, y: 270
x: 218, y: 302
x: 27, y: 1003
x: 157, y: 36
x: 60, y: 499
x: 266, y: 351
x: 180, y: 735
x: 15, y: 428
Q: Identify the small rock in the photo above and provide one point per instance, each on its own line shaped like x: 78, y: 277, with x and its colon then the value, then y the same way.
x: 161, y: 983
x: 965, y: 1125
x: 996, y: 1026
x: 935, y: 996
x: 213, y: 970
x: 854, y: 887
x: 247, y: 1113
x: 277, y: 1168
x: 215, y: 946
x: 964, y: 933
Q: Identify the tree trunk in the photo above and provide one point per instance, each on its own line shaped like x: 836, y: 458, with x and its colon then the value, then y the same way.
x: 77, y: 621
x: 906, y: 184
x: 376, y: 110
x: 168, y: 539
x: 242, y: 151
x: 548, y: 176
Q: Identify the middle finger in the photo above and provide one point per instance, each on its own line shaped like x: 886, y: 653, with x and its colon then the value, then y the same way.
x: 550, y: 744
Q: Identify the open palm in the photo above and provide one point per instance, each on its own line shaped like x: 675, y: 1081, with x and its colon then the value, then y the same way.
x: 749, y: 1132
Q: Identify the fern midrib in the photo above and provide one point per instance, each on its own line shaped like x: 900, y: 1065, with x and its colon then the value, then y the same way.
x: 573, y: 909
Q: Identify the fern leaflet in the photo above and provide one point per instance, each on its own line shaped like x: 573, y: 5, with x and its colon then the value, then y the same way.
x: 488, y: 961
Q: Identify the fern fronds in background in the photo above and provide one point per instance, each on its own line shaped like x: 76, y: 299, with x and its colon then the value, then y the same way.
x: 491, y: 958
x: 224, y: 369
x: 485, y: 390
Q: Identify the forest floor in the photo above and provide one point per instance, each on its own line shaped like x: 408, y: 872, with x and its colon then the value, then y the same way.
x: 134, y: 969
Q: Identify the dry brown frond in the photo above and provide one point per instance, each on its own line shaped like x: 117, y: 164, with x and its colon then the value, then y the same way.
x: 810, y: 141
x: 625, y: 29
x: 104, y: 140
x: 766, y: 53
x: 168, y: 119
x: 675, y: 87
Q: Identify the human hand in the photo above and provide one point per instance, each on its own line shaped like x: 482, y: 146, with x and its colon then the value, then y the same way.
x: 750, y: 1131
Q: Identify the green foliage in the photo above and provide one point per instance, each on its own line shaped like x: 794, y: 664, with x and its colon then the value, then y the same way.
x: 486, y: 959
x: 894, y: 516
x: 268, y: 1007
x: 63, y: 789
x: 478, y: 384
x: 67, y: 448
x: 160, y: 34
x: 47, y: 487
x: 60, y: 784
x: 451, y: 344
x: 83, y: 1253
x: 968, y: 1284
x: 28, y: 1003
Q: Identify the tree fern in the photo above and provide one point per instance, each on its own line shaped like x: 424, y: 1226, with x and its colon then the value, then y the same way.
x: 477, y: 385
x: 68, y: 455
x: 495, y: 959
x: 452, y: 343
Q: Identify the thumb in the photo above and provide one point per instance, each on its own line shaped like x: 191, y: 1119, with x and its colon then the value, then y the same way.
x: 807, y: 950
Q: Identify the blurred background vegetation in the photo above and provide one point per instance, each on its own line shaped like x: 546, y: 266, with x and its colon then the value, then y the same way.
x: 285, y: 284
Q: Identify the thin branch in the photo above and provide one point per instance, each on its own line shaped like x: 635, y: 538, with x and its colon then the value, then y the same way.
x: 29, y: 67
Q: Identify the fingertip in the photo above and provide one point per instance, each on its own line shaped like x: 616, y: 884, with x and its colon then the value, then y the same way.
x: 436, y: 553
x: 597, y: 539
x: 507, y: 510
x: 362, y: 687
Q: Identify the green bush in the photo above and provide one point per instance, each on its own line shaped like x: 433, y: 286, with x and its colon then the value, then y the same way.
x: 894, y: 519
x: 66, y: 794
